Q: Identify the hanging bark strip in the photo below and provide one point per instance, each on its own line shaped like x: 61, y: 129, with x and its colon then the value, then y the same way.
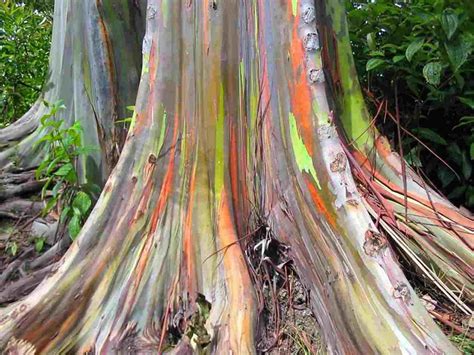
x: 232, y: 116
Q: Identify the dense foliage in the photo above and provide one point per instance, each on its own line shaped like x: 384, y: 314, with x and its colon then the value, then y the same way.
x: 420, y: 51
x: 25, y: 39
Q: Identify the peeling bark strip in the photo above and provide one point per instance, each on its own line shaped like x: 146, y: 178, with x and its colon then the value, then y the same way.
x: 232, y: 117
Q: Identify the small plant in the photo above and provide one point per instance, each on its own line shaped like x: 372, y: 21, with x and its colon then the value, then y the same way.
x: 71, y: 199
x: 39, y: 243
x: 463, y: 343
x: 12, y: 248
x: 129, y: 120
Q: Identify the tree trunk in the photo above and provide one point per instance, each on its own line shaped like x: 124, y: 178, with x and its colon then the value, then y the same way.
x: 436, y: 236
x: 233, y: 130
x: 95, y: 69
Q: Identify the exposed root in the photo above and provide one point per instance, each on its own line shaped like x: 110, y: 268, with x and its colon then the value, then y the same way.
x: 18, y: 184
x: 23, y: 270
x: 21, y: 287
x: 17, y: 208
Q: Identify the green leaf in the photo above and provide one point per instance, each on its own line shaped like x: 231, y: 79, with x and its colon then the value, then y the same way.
x: 53, y: 165
x: 449, y: 22
x: 371, y: 41
x: 457, y: 192
x: 39, y: 244
x: 432, y: 73
x: 64, y: 170
x: 467, y: 101
x: 445, y: 175
x: 414, y: 47
x: 471, y: 151
x: 56, y: 188
x: 74, y: 226
x: 44, y: 190
x: 376, y: 54
x: 65, y: 214
x: 71, y: 177
x: 398, y: 58
x: 42, y: 167
x: 13, y: 248
x: 412, y: 158
x: 430, y: 135
x: 52, y: 202
x: 374, y: 63
x: 458, y: 53
x: 455, y: 153
x: 82, y: 201
x: 466, y: 166
x: 465, y: 121
x: 470, y: 196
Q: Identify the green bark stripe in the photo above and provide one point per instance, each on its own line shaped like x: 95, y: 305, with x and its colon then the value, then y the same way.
x: 294, y: 7
x: 220, y: 134
x: 303, y: 158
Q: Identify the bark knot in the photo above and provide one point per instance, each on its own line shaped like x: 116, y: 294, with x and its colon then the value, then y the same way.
x: 374, y: 243
x: 316, y: 76
x: 311, y: 41
x: 402, y: 291
x: 152, y: 159
x: 151, y: 12
x: 309, y: 14
x: 339, y: 163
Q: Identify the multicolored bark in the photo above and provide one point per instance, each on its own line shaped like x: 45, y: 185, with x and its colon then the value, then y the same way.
x: 94, y: 69
x: 232, y: 122
x: 436, y: 236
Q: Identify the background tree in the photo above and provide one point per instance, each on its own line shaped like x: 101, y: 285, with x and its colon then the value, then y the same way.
x: 25, y: 39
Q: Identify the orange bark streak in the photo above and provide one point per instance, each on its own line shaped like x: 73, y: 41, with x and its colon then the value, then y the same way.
x: 300, y: 92
x: 238, y: 279
x: 320, y: 204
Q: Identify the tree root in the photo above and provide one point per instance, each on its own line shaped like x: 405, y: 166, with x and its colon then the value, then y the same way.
x: 17, y: 208
x: 23, y: 286
x: 17, y: 184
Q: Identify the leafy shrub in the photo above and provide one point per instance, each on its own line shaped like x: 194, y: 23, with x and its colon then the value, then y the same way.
x: 25, y: 36
x: 67, y: 195
x: 422, y: 51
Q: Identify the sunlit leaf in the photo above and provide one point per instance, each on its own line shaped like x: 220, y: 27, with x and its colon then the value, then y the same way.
x: 414, y: 47
x: 449, y: 22
x: 432, y: 73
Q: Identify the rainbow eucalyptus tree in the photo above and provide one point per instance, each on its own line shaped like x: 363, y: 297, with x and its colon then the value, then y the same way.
x: 247, y: 112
